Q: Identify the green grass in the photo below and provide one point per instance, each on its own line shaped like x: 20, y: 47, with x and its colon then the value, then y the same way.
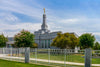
x: 5, y: 63
x: 71, y: 58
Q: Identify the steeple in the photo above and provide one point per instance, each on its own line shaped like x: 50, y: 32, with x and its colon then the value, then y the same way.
x: 44, y: 25
x: 44, y: 10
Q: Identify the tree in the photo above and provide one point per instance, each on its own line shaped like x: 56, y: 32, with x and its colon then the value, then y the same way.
x: 86, y: 40
x: 96, y: 46
x: 24, y: 39
x: 3, y: 40
x: 65, y: 40
x: 35, y: 45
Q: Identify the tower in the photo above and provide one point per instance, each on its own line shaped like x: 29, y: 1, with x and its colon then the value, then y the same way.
x: 43, y: 37
x: 44, y: 26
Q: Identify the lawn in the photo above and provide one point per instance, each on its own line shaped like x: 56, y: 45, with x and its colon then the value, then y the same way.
x: 71, y: 58
x: 5, y: 63
x: 79, y: 58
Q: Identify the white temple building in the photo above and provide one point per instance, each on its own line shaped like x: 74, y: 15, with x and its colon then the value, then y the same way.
x: 44, y: 37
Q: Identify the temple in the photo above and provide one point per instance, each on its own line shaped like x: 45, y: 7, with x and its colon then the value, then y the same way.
x: 44, y: 37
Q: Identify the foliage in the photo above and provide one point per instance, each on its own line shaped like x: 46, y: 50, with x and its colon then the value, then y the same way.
x: 35, y: 45
x: 65, y: 40
x: 3, y: 40
x: 86, y: 40
x: 96, y: 46
x: 24, y: 39
x: 14, y: 45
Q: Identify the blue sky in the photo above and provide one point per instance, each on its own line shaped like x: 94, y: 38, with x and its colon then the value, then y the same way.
x: 79, y: 16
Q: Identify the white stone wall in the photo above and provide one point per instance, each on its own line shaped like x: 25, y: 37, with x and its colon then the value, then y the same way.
x: 43, y: 39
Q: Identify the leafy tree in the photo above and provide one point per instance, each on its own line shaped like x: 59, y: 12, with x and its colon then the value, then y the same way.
x: 86, y: 40
x: 96, y: 46
x: 24, y: 39
x: 65, y: 40
x: 35, y: 45
x: 3, y: 40
x: 13, y: 45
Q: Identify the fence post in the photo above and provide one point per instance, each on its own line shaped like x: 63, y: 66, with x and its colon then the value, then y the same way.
x: 10, y: 51
x: 88, y: 55
x: 35, y: 55
x: 65, y: 57
x: 48, y: 55
x: 27, y: 55
x: 3, y: 51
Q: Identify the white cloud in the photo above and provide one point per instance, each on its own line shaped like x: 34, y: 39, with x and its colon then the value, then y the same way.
x: 10, y: 24
x: 16, y: 6
x: 8, y: 18
x: 13, y: 29
x: 69, y: 20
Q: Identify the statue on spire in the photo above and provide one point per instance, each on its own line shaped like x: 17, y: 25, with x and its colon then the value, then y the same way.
x: 44, y: 10
x: 44, y: 25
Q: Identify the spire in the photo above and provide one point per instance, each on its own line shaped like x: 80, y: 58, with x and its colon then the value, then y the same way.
x: 44, y: 10
x: 44, y: 25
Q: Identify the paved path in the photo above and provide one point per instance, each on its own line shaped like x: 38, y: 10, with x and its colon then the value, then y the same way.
x: 43, y: 60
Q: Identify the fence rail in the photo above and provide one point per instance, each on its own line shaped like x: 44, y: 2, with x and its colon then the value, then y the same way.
x: 58, y: 57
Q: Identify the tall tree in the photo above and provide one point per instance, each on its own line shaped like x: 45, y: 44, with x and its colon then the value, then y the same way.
x: 3, y: 40
x: 65, y: 40
x: 24, y: 39
x: 86, y: 40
